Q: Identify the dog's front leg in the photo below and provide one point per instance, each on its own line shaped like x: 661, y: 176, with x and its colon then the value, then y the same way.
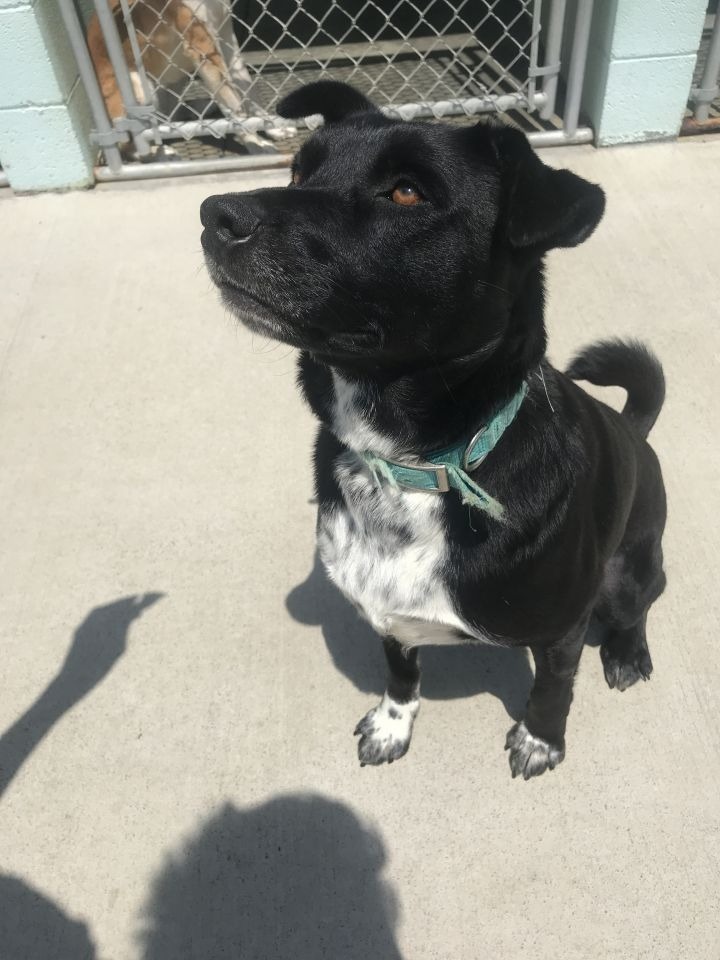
x: 200, y: 47
x: 385, y: 732
x: 537, y: 743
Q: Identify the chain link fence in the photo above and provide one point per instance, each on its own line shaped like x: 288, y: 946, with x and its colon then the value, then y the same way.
x: 189, y: 69
x: 414, y: 58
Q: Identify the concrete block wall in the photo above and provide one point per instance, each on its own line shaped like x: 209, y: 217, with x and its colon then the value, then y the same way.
x: 44, y: 113
x: 640, y: 66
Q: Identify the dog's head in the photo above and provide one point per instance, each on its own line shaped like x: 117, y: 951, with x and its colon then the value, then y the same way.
x: 395, y: 242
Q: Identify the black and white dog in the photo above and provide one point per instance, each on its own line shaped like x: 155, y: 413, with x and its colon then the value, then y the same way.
x: 405, y: 260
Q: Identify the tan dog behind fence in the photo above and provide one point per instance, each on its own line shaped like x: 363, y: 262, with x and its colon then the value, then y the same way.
x: 179, y: 39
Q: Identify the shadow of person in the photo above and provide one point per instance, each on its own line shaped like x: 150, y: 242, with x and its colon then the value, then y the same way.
x: 448, y: 671
x: 297, y: 878
x: 34, y: 928
x: 97, y: 645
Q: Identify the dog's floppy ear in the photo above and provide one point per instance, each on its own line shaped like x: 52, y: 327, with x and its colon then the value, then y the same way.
x: 543, y: 207
x: 332, y: 99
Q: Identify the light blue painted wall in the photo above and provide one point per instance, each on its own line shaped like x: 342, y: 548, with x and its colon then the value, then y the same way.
x: 44, y: 114
x: 640, y: 65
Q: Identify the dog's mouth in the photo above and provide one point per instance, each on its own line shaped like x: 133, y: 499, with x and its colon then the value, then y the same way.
x: 252, y: 310
x: 255, y: 313
x: 263, y: 318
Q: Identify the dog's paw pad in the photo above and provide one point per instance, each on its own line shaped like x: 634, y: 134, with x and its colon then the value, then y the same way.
x: 623, y: 672
x: 530, y: 756
x: 385, y: 732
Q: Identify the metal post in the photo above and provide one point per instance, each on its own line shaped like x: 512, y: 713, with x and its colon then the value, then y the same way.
x: 90, y: 82
x: 135, y: 46
x: 552, y: 56
x: 115, y: 52
x: 711, y: 75
x: 120, y: 68
x: 576, y: 72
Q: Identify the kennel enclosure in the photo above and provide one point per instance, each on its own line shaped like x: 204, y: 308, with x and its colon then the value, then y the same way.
x: 413, y: 58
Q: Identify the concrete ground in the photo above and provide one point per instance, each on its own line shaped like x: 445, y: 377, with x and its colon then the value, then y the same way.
x: 179, y: 686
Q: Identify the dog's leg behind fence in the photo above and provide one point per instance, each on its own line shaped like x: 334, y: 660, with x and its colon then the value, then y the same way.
x: 200, y: 47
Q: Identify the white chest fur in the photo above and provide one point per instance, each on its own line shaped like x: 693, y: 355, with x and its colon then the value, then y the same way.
x: 385, y: 547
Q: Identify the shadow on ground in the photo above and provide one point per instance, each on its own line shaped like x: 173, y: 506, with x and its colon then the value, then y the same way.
x: 297, y: 878
x: 448, y: 672
x: 97, y: 645
x: 32, y: 927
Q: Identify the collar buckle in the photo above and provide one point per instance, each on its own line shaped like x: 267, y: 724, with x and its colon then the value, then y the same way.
x: 439, y: 470
x: 441, y: 475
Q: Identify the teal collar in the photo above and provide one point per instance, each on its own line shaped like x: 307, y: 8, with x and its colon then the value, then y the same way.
x: 449, y: 468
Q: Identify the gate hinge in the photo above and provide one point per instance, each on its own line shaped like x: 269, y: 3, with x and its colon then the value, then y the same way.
x: 703, y: 94
x: 109, y: 139
x: 549, y: 70
x: 140, y: 111
x: 131, y: 125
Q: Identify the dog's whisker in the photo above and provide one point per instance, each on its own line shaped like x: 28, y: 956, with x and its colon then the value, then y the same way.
x: 433, y: 357
x: 541, y: 376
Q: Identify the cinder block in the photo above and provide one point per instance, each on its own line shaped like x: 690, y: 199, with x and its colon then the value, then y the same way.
x: 57, y: 43
x: 36, y: 62
x: 657, y: 28
x: 45, y: 148
x: 644, y: 99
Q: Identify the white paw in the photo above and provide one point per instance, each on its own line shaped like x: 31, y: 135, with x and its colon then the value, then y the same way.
x: 255, y: 144
x: 385, y: 732
x: 281, y: 132
x: 529, y: 755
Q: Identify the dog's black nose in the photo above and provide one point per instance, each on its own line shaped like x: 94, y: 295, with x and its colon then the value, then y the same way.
x: 230, y: 216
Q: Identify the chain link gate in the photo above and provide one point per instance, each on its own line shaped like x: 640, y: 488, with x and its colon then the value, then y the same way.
x: 217, y: 68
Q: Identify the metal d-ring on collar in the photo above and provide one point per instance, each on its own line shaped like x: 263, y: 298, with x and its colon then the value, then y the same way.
x: 448, y: 468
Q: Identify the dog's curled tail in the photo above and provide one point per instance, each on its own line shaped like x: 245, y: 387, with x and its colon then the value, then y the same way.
x: 630, y: 365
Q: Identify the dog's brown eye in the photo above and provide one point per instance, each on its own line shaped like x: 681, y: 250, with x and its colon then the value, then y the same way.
x: 405, y: 194
x: 296, y: 178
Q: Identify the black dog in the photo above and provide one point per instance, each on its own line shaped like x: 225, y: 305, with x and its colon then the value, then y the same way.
x: 405, y: 260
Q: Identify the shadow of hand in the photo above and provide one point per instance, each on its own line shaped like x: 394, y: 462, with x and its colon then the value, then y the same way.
x: 97, y: 645
x: 100, y: 641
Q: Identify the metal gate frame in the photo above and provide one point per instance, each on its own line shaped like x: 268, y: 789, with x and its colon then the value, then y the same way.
x: 709, y: 89
x: 143, y: 128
